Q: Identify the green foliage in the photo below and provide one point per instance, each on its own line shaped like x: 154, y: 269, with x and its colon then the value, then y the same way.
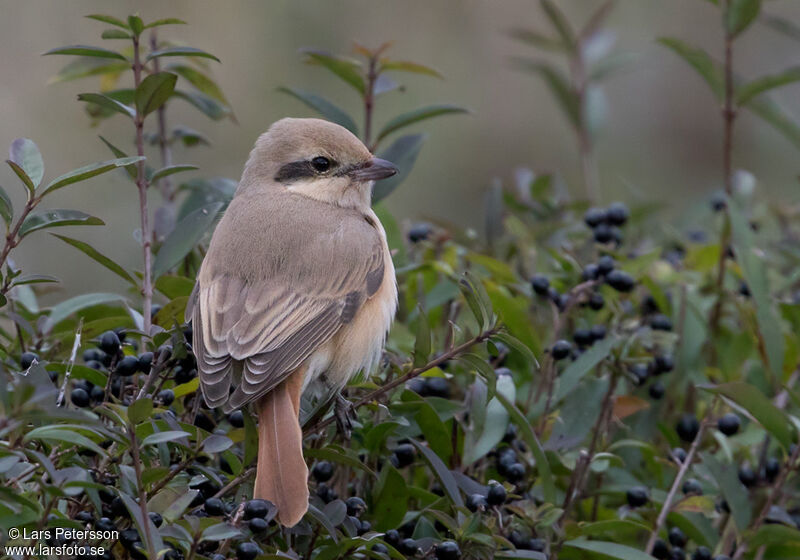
x: 552, y: 364
x: 372, y: 78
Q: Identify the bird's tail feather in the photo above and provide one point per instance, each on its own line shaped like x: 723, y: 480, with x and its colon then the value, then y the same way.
x: 282, y: 475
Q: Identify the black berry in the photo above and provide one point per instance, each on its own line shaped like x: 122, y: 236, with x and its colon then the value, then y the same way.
x: 595, y: 216
x: 596, y: 301
x: 322, y: 471
x: 167, y: 396
x: 618, y: 214
x: 605, y: 265
x: 257, y: 525
x: 448, y: 550
x: 496, y: 495
x: 561, y: 349
x: 637, y: 496
x: 701, y: 553
x: 620, y: 281
x: 772, y: 469
x: 214, y: 506
x: 127, y: 366
x: 79, y: 397
x: 687, y: 427
x: 109, y: 343
x: 656, y: 390
x: 27, y: 359
x: 729, y: 424
x: 661, y: 550
x: 236, y: 419
x: 477, y: 502
x: 247, y: 551
x: 156, y: 518
x: 255, y: 508
x: 692, y: 487
x: 677, y: 537
x: 404, y: 455
x: 747, y: 476
x: 355, y: 506
x: 419, y: 232
x: 540, y: 284
x: 660, y: 322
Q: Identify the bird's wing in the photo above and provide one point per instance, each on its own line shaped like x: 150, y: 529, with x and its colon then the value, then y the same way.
x: 268, y: 323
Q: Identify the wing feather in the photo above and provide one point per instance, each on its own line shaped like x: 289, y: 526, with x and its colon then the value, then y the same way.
x: 263, y: 317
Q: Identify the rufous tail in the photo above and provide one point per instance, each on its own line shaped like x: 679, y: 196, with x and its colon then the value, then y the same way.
x: 281, y: 472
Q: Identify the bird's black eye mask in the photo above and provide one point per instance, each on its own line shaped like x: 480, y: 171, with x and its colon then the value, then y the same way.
x: 307, y: 169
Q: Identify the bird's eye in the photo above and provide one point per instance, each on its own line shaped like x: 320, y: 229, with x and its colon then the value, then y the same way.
x: 321, y: 164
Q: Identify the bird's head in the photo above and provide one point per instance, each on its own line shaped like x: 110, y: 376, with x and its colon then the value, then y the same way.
x: 318, y: 159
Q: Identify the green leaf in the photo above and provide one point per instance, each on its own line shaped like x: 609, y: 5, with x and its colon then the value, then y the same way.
x: 141, y: 522
x: 560, y: 23
x: 136, y: 24
x: 64, y: 435
x: 408, y: 66
x: 755, y: 274
x: 31, y: 188
x: 154, y: 91
x: 174, y: 286
x: 337, y: 455
x: 115, y: 34
x: 180, y: 51
x: 171, y: 170
x: 619, y: 551
x: 403, y: 153
x: 93, y: 253
x: 56, y: 218
x: 559, y: 87
x: 323, y: 107
x: 518, y: 346
x: 88, y: 66
x: 772, y: 113
x: 84, y: 50
x: 529, y: 437
x: 131, y: 169
x: 436, y: 433
x: 699, y: 59
x: 25, y: 153
x: 422, y: 344
x: 536, y: 39
x: 107, y: 103
x: 758, y: 86
x: 727, y: 478
x: 67, y: 307
x: 163, y: 437
x: 578, y: 369
x: 345, y: 68
x: 6, y: 208
x: 211, y: 108
x: 441, y: 471
x: 187, y: 233
x: 220, y: 531
x: 759, y: 406
x: 140, y: 410
x: 89, y: 171
x: 417, y: 115
x: 740, y: 14
x: 199, y: 80
x: 481, y: 441
x: 390, y: 499
x: 165, y: 21
x: 109, y: 19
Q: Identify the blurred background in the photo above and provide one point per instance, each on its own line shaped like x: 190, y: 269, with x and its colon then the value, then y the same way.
x: 660, y: 140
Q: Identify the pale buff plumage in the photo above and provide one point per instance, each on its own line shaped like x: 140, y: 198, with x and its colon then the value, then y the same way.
x: 297, y: 288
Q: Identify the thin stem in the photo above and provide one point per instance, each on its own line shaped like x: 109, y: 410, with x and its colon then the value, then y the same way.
x: 588, y: 163
x: 728, y: 118
x: 137, y: 466
x: 164, y: 184
x: 369, y: 101
x: 415, y: 372
x: 142, y: 184
x: 667, y: 506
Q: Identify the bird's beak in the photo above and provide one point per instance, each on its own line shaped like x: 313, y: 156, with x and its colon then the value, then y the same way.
x: 374, y: 170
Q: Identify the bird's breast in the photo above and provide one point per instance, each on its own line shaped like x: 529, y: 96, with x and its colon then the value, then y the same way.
x: 358, y: 345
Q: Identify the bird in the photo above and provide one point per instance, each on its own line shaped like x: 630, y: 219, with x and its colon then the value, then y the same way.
x: 296, y: 292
